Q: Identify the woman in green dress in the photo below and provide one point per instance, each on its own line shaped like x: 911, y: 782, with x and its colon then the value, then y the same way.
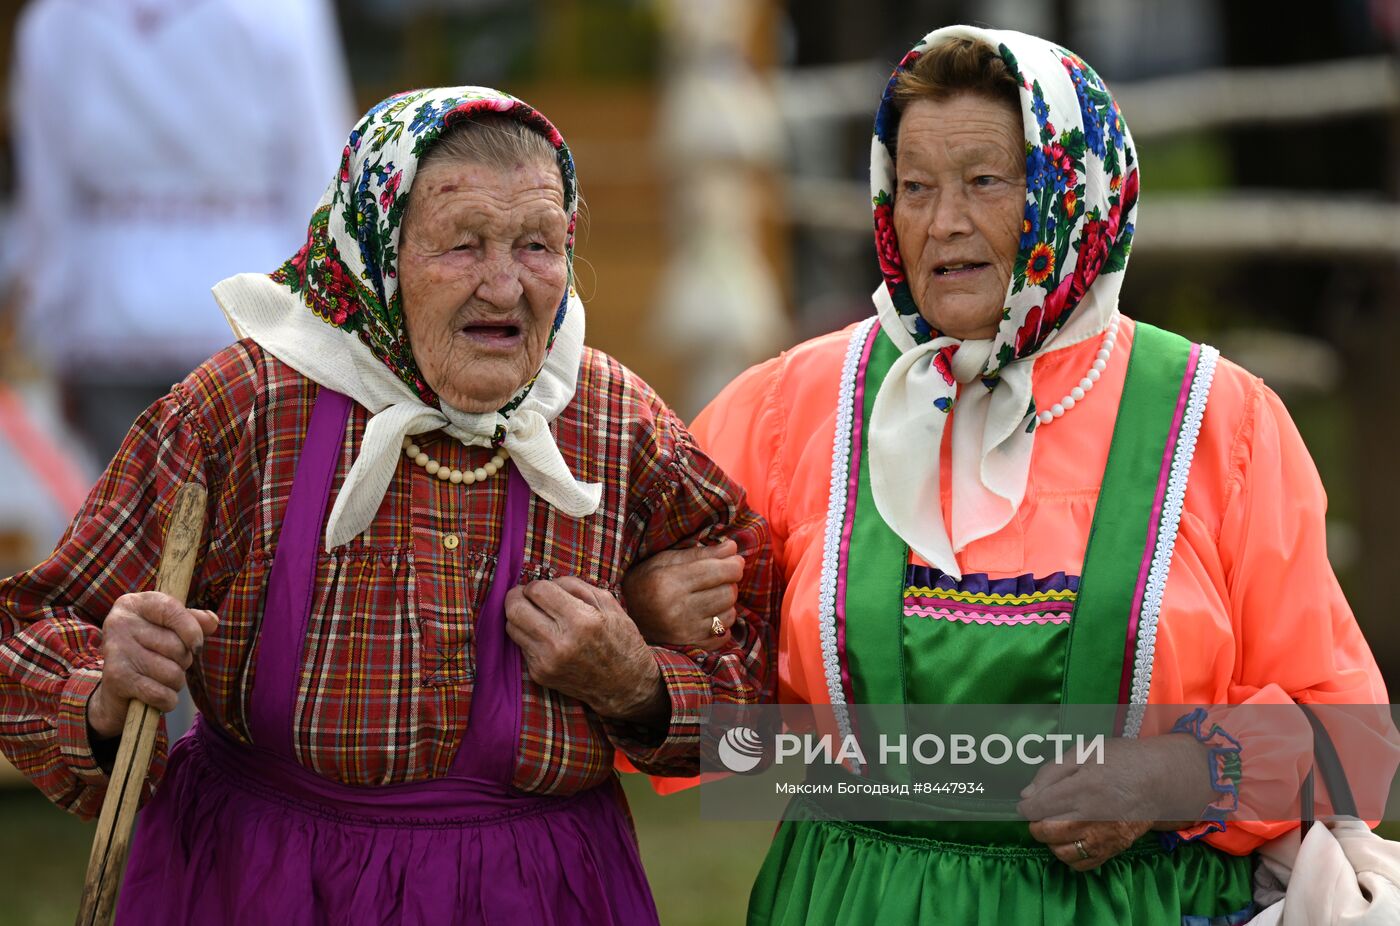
x: 1000, y: 490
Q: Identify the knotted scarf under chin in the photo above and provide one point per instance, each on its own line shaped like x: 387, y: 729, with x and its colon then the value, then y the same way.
x: 257, y: 307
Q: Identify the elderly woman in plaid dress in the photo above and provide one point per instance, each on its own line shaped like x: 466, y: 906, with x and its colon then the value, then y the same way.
x: 403, y: 635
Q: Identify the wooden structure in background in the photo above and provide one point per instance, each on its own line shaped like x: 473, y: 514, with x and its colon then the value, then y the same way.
x: 623, y: 237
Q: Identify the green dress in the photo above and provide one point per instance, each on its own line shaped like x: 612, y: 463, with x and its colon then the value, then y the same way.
x: 822, y: 870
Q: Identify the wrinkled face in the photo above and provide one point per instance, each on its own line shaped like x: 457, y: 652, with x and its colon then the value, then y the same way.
x: 482, y: 270
x: 960, y: 196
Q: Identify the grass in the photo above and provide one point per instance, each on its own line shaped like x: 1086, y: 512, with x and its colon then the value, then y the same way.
x: 700, y: 870
x: 43, y: 856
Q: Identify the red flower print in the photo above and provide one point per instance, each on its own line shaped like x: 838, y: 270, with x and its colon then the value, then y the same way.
x: 1040, y: 264
x: 1070, y: 202
x: 299, y: 259
x: 943, y: 363
x: 338, y: 291
x: 1058, y: 300
x: 345, y: 165
x: 1124, y: 205
x: 887, y: 245
x: 1115, y: 183
x: 1130, y: 192
x: 1093, y: 249
x: 1028, y: 335
x: 391, y: 186
x: 908, y: 60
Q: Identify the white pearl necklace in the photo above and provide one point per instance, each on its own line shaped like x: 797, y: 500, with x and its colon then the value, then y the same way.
x: 1076, y: 395
x: 447, y: 473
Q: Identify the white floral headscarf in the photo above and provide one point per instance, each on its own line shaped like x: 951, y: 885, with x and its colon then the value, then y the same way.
x: 1081, y: 205
x: 334, y: 311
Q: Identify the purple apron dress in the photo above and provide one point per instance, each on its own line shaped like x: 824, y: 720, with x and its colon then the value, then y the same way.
x: 239, y: 834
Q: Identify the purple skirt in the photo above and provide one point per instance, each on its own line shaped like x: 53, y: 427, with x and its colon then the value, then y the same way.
x: 239, y: 836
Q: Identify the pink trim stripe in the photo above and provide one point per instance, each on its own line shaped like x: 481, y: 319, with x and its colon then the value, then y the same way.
x: 978, y: 617
x: 852, y: 492
x: 1154, y: 527
x: 1033, y: 607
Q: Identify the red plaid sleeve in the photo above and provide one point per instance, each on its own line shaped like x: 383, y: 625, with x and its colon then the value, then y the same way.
x: 51, y: 615
x: 685, y: 498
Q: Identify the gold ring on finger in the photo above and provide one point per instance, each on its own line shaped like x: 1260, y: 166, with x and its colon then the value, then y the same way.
x: 1083, y: 852
x: 717, y: 626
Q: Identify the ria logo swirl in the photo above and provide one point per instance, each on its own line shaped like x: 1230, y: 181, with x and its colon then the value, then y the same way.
x: 741, y: 749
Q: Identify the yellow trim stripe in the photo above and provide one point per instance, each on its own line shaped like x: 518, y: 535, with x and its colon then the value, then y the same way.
x: 975, y: 598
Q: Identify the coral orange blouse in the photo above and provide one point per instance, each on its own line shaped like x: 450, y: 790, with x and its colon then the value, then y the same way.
x: 1252, y: 612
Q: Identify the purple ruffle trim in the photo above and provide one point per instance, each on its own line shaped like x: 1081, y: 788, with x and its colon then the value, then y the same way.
x: 978, y: 583
x: 1223, y: 755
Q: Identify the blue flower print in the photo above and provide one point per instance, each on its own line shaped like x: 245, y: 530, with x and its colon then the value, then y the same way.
x: 1037, y: 170
x: 424, y: 116
x: 1030, y: 227
x: 1039, y: 106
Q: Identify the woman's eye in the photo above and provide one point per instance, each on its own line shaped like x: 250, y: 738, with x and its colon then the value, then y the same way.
x: 464, y: 246
x: 537, y: 247
x: 913, y: 186
x: 985, y: 180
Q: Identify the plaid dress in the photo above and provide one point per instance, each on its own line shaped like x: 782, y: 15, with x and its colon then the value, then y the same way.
x: 386, y: 681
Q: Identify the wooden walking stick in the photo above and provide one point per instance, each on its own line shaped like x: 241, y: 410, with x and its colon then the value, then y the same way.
x: 114, y: 826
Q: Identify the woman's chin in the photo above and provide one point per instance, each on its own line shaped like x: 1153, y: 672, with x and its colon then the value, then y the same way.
x: 479, y: 382
x: 489, y: 387
x: 965, y: 322
x: 478, y: 402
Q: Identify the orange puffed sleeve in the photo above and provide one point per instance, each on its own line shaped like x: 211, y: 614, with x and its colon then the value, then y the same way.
x: 743, y: 430
x: 1294, y: 636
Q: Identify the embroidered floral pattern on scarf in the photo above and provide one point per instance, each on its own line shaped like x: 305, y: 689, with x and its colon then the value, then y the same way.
x: 1076, y: 234
x: 347, y: 271
x: 1081, y: 197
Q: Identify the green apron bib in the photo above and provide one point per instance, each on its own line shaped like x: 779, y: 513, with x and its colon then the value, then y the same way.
x: 821, y: 870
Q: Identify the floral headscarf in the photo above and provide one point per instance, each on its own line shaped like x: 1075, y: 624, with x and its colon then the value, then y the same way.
x: 334, y: 312
x: 1076, y: 233
x: 347, y: 272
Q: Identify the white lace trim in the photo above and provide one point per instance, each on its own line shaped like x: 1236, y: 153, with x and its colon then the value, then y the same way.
x: 836, y: 522
x: 1169, y: 525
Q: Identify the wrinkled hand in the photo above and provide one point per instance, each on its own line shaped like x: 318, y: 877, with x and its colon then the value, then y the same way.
x: 149, y: 642
x: 1107, y: 807
x: 675, y: 595
x: 578, y: 641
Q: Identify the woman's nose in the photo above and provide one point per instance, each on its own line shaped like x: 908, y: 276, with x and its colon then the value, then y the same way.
x: 951, y: 215
x: 500, y: 282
